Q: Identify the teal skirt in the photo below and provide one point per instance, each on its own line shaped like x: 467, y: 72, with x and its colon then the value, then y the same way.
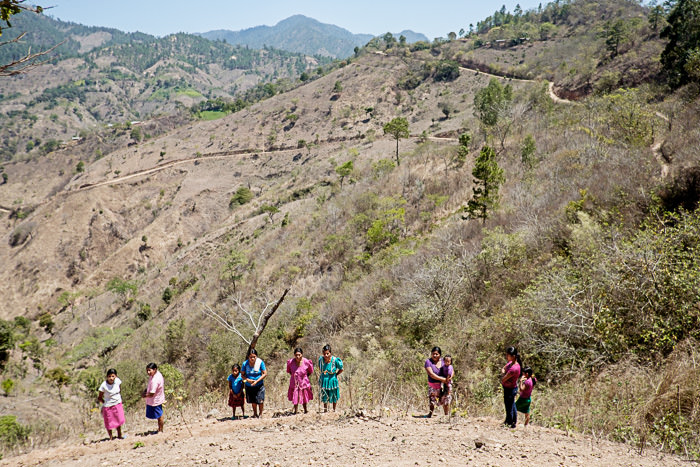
x: 523, y: 405
x: 330, y: 395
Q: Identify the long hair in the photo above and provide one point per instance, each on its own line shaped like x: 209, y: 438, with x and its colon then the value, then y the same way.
x: 513, y: 352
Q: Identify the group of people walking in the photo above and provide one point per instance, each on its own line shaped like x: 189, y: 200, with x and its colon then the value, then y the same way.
x: 246, y: 384
x: 246, y: 381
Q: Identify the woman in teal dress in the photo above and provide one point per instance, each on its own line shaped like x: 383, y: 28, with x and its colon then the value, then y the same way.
x: 330, y: 367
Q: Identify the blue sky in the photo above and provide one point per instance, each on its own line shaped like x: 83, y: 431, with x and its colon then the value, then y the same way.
x: 161, y: 17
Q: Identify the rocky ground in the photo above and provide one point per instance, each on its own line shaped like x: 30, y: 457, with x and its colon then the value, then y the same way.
x: 344, y: 439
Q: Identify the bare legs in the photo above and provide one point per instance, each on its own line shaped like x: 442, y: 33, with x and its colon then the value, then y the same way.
x: 257, y: 413
x: 119, y: 433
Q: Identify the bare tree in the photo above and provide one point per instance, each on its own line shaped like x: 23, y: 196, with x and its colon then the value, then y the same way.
x: 231, y: 319
x: 25, y: 63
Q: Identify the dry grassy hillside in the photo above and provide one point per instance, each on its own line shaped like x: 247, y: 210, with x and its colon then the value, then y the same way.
x: 115, y: 265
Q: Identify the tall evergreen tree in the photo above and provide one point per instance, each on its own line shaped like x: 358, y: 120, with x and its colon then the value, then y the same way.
x: 398, y: 128
x: 683, y: 34
x: 488, y: 177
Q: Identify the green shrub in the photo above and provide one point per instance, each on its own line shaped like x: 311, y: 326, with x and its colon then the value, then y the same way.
x: 12, y: 433
x: 242, y: 196
x: 167, y: 295
x: 7, y: 386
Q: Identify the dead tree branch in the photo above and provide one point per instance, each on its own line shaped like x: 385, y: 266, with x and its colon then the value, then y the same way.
x: 26, y: 63
x: 262, y: 322
x: 231, y: 323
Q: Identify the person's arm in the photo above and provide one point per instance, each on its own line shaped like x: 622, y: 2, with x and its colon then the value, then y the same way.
x: 508, y: 377
x: 101, y: 397
x: 309, y: 367
x: 230, y: 384
x: 432, y: 374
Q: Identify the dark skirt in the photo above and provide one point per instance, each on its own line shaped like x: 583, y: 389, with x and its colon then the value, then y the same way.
x: 154, y: 412
x: 255, y: 394
x: 236, y: 400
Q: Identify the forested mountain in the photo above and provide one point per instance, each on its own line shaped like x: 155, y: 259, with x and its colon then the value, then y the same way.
x: 534, y: 184
x: 102, y: 76
x: 304, y: 35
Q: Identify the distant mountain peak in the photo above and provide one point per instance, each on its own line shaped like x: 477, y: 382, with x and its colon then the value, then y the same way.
x: 301, y: 34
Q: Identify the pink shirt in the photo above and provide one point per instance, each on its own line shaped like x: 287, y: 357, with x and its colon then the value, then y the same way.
x: 526, y: 388
x: 300, y: 373
x: 512, y: 373
x: 155, y: 386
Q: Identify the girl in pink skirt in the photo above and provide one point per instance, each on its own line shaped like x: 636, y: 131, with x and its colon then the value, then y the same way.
x: 299, y: 385
x: 110, y: 398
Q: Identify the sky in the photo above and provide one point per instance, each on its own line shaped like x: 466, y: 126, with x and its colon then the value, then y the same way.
x: 163, y: 17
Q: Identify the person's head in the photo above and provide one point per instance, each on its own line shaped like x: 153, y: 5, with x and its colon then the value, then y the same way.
x: 151, y: 369
x: 528, y: 374
x: 111, y: 376
x: 447, y: 359
x: 235, y: 369
x: 252, y: 356
x: 512, y: 354
x: 326, y: 351
x: 298, y: 354
x: 435, y: 354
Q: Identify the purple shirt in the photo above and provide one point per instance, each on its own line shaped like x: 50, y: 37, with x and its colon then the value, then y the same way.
x: 526, y: 388
x: 446, y: 371
x: 429, y: 364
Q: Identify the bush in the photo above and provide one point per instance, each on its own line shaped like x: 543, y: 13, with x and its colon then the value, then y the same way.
x: 175, y: 340
x: 167, y: 295
x: 446, y: 70
x: 144, y: 313
x: 7, y: 386
x: 242, y: 196
x: 174, y: 383
x: 12, y: 433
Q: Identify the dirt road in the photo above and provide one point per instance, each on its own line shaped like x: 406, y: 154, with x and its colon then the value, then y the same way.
x: 329, y: 439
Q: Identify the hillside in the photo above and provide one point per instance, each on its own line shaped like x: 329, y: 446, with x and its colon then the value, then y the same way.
x: 101, y: 77
x: 585, y: 256
x: 302, y: 35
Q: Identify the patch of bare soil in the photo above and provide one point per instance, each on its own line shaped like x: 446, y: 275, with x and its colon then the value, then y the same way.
x: 330, y: 439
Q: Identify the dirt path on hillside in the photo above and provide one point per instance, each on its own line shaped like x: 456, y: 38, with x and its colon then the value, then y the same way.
x: 327, y: 439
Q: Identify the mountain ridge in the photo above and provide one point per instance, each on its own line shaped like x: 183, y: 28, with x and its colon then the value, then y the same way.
x: 301, y: 34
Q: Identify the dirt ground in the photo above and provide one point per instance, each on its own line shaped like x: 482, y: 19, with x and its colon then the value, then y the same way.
x: 280, y: 439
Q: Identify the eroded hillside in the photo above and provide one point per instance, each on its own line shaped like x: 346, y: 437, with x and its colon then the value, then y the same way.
x: 381, y: 259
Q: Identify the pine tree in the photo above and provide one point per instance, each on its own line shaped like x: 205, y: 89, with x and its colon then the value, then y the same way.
x: 683, y: 34
x: 488, y: 177
x: 398, y: 128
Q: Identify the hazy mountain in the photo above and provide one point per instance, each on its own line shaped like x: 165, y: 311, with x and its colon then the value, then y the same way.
x: 105, y: 76
x: 301, y: 34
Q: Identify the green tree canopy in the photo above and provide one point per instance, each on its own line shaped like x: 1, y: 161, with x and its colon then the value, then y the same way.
x: 488, y: 177
x: 492, y: 102
x: 344, y: 170
x: 122, y: 287
x: 683, y: 34
x: 398, y: 128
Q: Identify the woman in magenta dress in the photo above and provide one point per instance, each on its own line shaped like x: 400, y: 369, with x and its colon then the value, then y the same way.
x: 299, y: 385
